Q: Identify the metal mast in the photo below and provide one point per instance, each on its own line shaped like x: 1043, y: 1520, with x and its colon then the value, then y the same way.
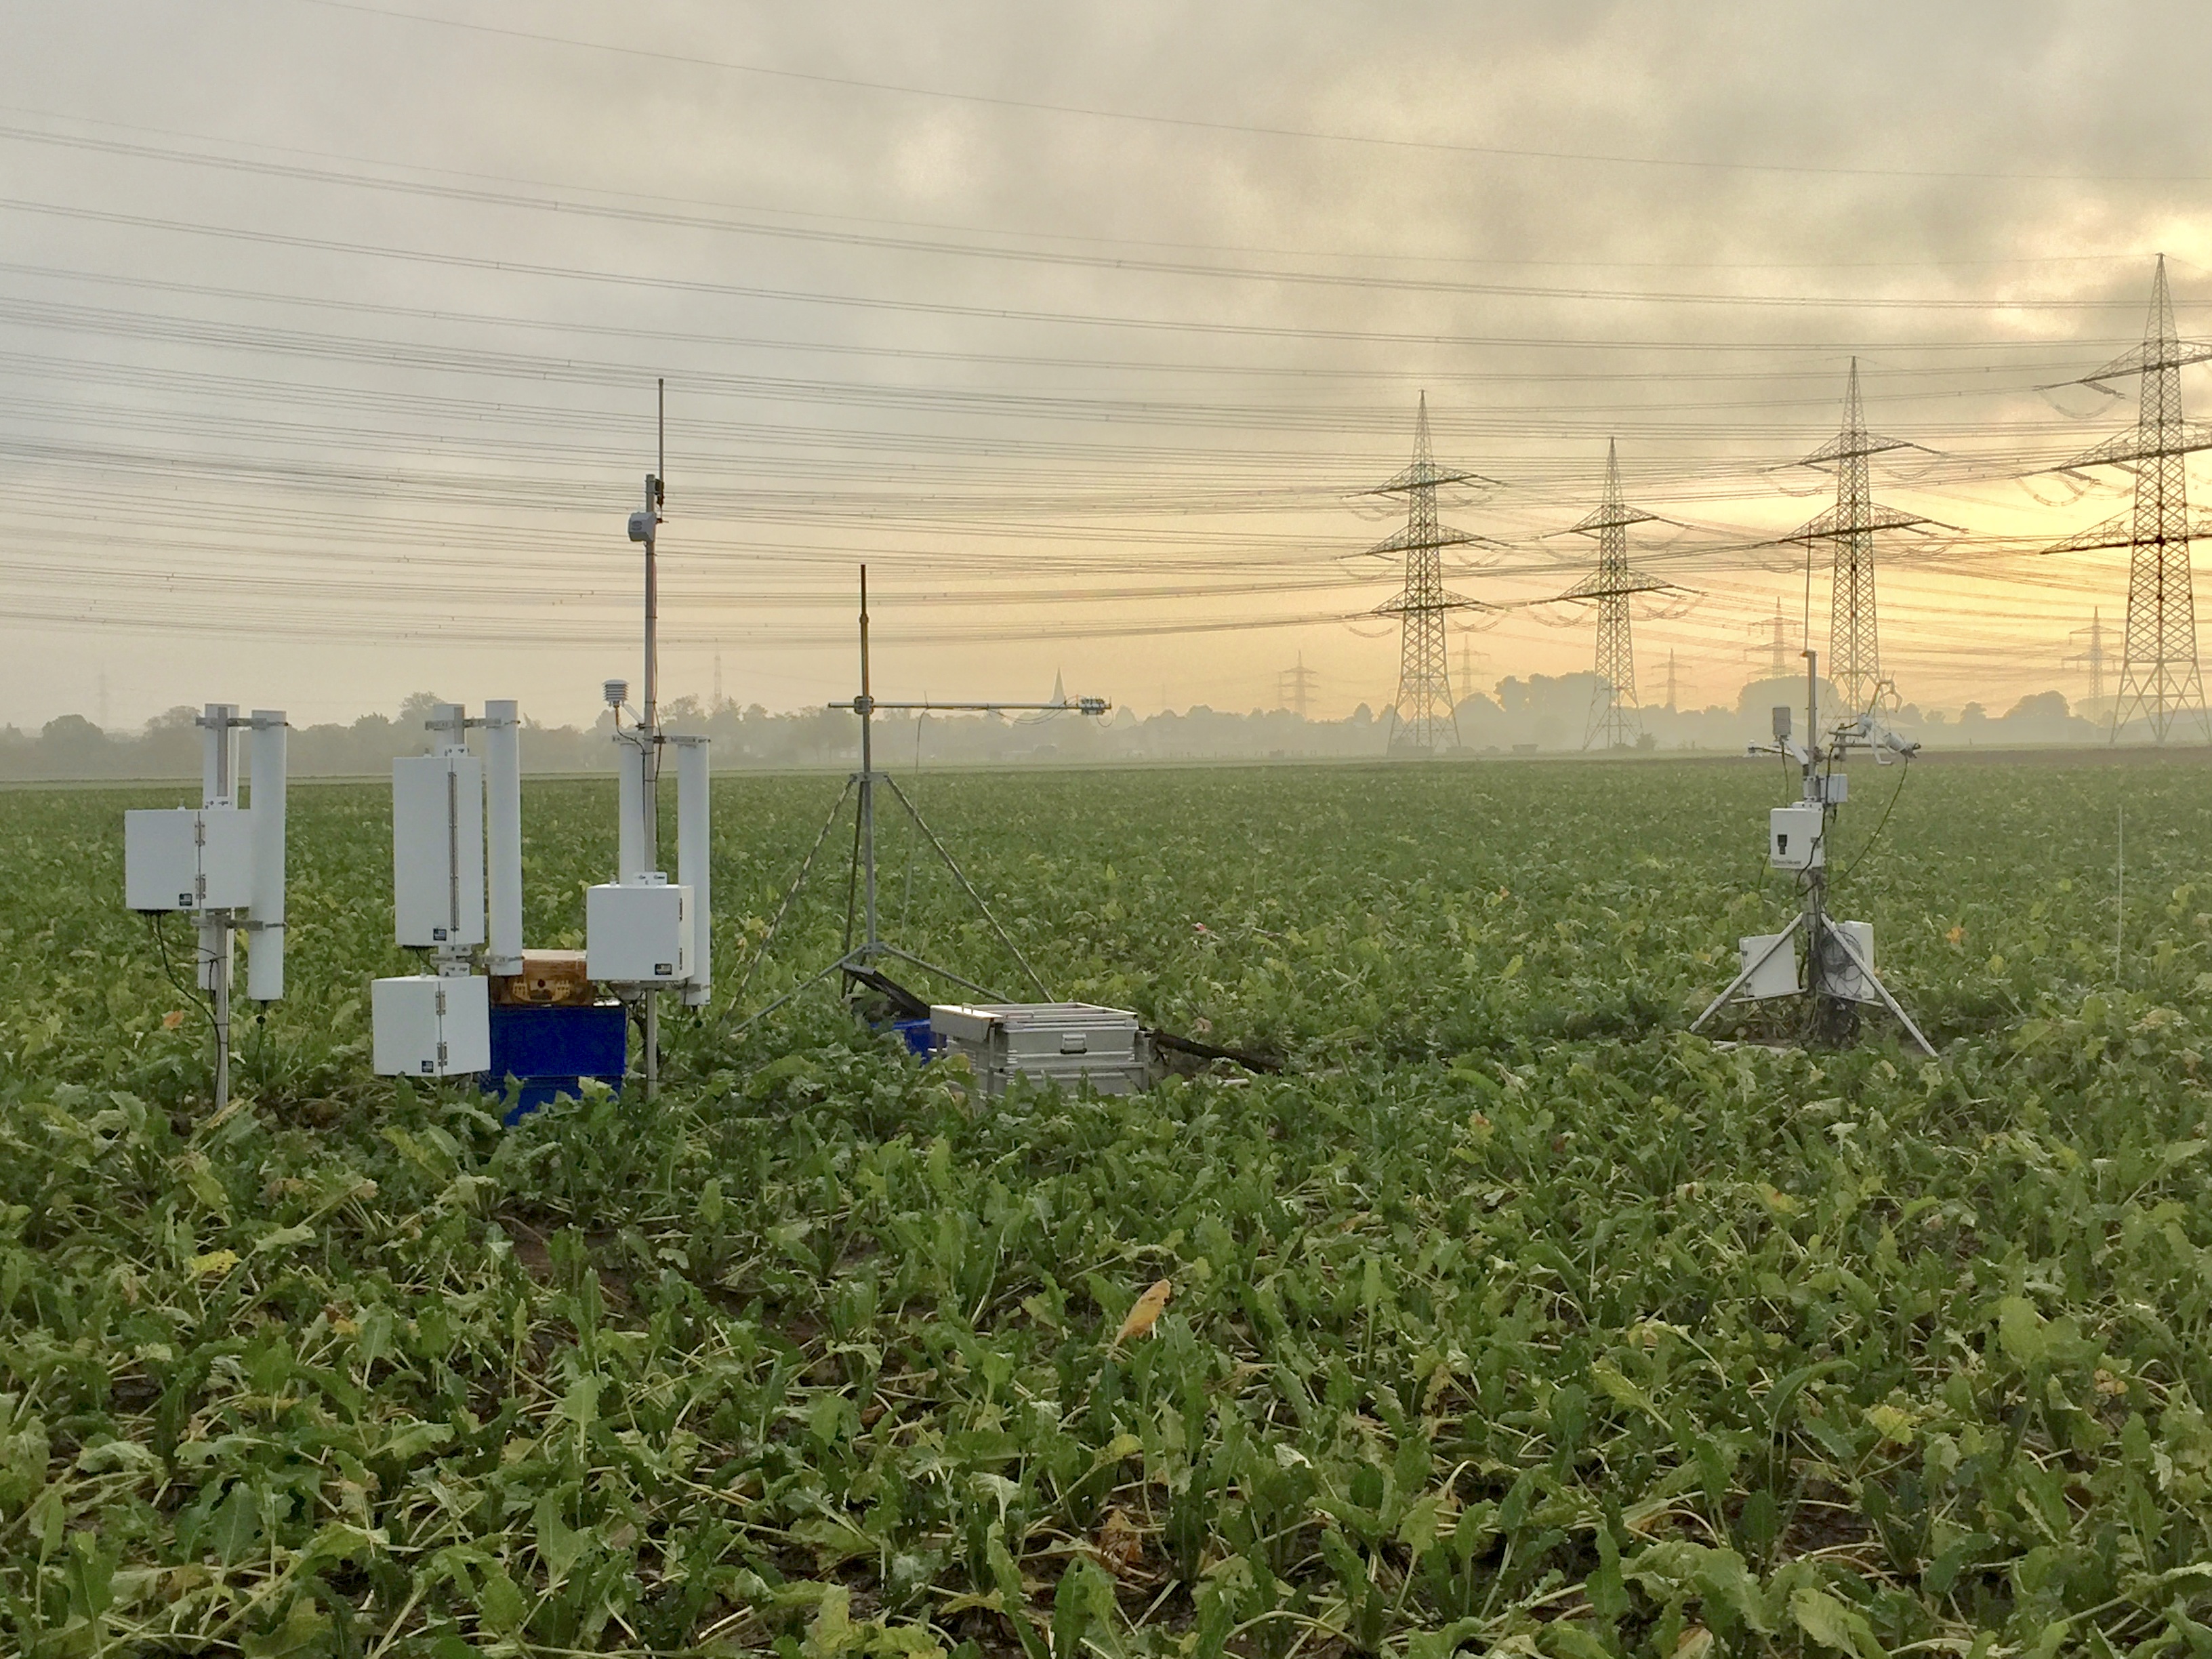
x: 1613, y: 722
x: 1426, y: 716
x: 2095, y: 656
x: 2159, y: 674
x: 1854, y: 640
x: 861, y: 960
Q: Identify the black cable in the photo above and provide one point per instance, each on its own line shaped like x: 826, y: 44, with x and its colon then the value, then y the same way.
x: 1882, y: 825
x: 191, y: 993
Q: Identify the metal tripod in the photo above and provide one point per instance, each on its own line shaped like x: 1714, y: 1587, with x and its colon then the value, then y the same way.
x: 1839, y: 972
x: 862, y: 955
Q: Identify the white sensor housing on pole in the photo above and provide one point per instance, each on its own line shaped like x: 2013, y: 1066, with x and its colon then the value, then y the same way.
x: 264, y: 937
x: 222, y: 864
x: 693, y: 861
x: 503, y: 729
x: 437, y: 854
x: 634, y: 855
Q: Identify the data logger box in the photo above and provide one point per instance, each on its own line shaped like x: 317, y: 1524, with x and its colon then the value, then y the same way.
x: 437, y: 851
x: 1776, y: 972
x: 638, y: 933
x: 430, y: 1025
x: 1845, y: 978
x: 1063, y: 1042
x: 1794, y: 837
x: 188, y: 858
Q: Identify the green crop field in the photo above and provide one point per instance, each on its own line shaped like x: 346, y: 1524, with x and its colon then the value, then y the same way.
x: 1509, y: 1317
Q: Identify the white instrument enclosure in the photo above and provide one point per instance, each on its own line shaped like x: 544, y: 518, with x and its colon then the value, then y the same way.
x: 1796, y: 838
x: 188, y: 858
x: 638, y: 933
x: 1778, y: 975
x: 430, y: 1025
x: 438, y: 851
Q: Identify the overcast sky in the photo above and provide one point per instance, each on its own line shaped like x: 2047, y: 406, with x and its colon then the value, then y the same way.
x: 329, y: 331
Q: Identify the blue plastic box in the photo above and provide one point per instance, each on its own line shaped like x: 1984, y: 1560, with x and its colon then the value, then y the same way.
x: 549, y: 1051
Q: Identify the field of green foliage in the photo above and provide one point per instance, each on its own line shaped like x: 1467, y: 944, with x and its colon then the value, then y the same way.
x: 1508, y: 1318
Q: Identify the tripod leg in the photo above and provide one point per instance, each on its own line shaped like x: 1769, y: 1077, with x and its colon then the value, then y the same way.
x: 984, y: 991
x: 791, y: 894
x: 973, y: 897
x: 813, y: 980
x: 1749, y: 968
x: 1880, y: 990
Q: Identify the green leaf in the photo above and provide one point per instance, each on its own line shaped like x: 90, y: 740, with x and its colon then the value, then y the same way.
x: 2022, y: 1331
x: 1013, y: 1600
x: 1833, y: 1625
x: 558, y: 1543
x: 305, y: 1634
x: 501, y: 1601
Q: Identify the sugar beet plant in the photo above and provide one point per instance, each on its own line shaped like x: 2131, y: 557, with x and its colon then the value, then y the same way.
x: 1509, y: 1318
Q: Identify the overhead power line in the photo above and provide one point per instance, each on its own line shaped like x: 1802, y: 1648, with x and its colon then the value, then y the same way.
x: 1383, y: 140
x: 481, y: 196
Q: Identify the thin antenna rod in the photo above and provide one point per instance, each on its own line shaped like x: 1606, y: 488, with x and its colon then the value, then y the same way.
x: 865, y: 823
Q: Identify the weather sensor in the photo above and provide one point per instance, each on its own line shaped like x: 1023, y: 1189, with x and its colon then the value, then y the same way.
x: 643, y: 933
x: 222, y: 864
x: 1838, y: 975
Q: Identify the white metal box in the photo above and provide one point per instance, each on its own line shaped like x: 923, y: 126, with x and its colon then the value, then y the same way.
x: 1775, y: 975
x: 430, y: 1025
x: 437, y: 850
x: 1845, y: 978
x: 188, y: 858
x: 638, y: 933
x: 1063, y: 1042
x: 1795, y: 836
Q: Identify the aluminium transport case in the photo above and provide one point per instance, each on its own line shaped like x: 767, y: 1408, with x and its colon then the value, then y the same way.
x: 1061, y: 1042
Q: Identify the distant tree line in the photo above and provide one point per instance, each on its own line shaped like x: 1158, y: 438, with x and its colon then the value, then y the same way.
x: 1540, y: 714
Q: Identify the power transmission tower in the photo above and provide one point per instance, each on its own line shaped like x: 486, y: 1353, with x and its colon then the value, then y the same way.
x: 1426, y: 717
x: 2094, y: 657
x: 1854, y: 641
x: 1295, y: 685
x: 1613, y: 723
x: 2159, y: 674
x: 1771, y: 637
x: 1670, y: 680
x: 1469, y: 656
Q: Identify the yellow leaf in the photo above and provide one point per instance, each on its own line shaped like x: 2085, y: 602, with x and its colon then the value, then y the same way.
x: 1146, y: 1312
x: 215, y: 1263
x: 1695, y: 1642
x: 1956, y: 936
x: 1892, y: 1423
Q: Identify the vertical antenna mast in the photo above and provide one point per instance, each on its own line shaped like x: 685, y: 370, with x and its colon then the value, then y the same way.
x: 865, y: 705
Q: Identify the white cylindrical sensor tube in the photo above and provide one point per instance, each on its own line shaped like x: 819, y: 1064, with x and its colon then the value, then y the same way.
x: 694, y: 860
x: 218, y: 753
x: 502, y: 726
x: 265, y: 941
x: 632, y: 858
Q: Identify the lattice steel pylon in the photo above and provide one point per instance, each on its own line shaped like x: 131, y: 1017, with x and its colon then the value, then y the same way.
x: 2093, y: 656
x: 1614, y: 715
x: 2159, y: 679
x: 1853, y: 636
x: 1426, y: 717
